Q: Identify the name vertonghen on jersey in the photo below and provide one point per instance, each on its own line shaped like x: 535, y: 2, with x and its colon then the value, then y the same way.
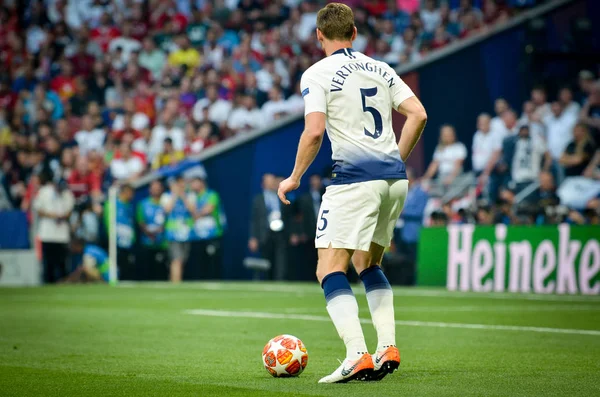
x: 337, y: 84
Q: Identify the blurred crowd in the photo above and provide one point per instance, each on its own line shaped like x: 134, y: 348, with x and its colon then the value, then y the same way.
x: 535, y: 164
x: 98, y: 91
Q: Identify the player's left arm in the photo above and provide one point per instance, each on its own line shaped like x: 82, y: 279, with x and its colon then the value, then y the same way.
x: 405, y: 102
x: 310, y: 143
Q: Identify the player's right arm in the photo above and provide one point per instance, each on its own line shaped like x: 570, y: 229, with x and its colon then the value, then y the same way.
x: 416, y: 118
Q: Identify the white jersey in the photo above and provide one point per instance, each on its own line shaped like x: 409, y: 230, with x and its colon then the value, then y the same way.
x: 357, y: 95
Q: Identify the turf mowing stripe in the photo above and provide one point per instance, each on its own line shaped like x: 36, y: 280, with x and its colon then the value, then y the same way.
x: 305, y: 317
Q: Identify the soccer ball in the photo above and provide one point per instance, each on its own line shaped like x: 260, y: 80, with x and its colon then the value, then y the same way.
x: 284, y: 356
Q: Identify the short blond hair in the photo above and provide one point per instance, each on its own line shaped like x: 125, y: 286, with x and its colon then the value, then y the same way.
x: 336, y: 21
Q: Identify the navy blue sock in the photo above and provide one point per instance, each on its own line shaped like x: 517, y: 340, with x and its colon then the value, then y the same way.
x: 335, y: 284
x: 374, y: 279
x: 343, y: 310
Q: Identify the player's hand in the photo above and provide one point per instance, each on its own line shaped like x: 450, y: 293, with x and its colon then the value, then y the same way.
x: 285, y: 187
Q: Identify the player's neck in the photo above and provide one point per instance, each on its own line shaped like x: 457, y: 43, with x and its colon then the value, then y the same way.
x: 333, y: 46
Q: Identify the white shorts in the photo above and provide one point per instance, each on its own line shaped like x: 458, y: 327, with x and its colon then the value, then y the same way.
x: 354, y: 215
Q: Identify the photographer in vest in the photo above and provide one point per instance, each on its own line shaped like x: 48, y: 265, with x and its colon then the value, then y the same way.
x: 178, y: 226
x: 151, y: 221
x: 208, y: 227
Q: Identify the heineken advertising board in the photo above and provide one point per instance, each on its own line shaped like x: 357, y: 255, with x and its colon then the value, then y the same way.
x: 559, y: 259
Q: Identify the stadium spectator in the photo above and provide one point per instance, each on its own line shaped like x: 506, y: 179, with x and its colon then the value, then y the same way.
x: 82, y: 60
x: 127, y: 166
x: 53, y: 205
x: 559, y: 129
x: 100, y: 85
x: 528, y: 117
x: 586, y: 82
x: 52, y: 158
x: 485, y: 143
x: 494, y: 12
x: 246, y: 116
x: 185, y: 55
x: 539, y: 99
x: 593, y: 169
x: 276, y: 107
x: 431, y: 16
x: 546, y: 195
x: 504, y: 213
x: 150, y: 217
x: 83, y: 182
x: 139, y: 120
x: 448, y: 157
x: 179, y: 225
x: 484, y: 215
x: 205, y: 136
x: 79, y: 102
x: 524, y: 154
x: 268, y: 235
x: 208, y: 227
x: 579, y: 152
x: 218, y: 109
x: 43, y: 98
x: 26, y: 80
x: 590, y: 111
x: 295, y: 102
x: 85, y: 224
x: 251, y: 88
x: 104, y: 33
x: 466, y: 8
x: 169, y: 156
x: 500, y: 106
x: 166, y: 128
x: 152, y: 58
x: 510, y: 125
x: 64, y: 83
x: 125, y: 44
x: 565, y: 97
x: 441, y: 37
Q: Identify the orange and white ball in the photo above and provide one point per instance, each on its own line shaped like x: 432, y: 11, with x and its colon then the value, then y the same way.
x: 284, y: 356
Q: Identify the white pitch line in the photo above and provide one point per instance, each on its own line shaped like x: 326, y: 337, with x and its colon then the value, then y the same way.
x: 433, y: 324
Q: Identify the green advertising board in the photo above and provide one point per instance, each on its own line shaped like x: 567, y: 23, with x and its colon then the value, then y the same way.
x: 559, y: 259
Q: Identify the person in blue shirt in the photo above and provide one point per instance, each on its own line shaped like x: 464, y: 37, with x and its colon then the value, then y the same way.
x: 93, y: 268
x: 151, y: 221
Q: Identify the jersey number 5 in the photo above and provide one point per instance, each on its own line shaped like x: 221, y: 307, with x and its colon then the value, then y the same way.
x: 368, y: 92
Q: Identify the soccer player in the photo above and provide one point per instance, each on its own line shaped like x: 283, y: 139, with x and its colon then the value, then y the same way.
x: 353, y: 96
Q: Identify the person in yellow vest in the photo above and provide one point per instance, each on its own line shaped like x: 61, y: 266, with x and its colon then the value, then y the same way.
x: 185, y: 55
x: 169, y: 155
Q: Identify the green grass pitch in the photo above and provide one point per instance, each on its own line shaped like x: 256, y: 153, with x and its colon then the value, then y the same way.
x: 143, y: 340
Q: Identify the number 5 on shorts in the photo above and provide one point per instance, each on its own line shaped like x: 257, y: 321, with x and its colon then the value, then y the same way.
x: 322, y: 227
